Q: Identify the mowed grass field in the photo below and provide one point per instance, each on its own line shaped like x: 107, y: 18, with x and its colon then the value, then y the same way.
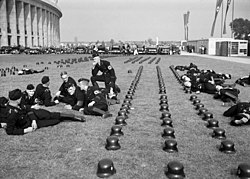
x: 73, y: 149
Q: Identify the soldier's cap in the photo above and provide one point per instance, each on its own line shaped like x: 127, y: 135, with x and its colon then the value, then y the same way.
x: 68, y: 85
x: 45, y: 79
x: 30, y: 87
x: 95, y: 54
x: 83, y: 79
x: 15, y: 94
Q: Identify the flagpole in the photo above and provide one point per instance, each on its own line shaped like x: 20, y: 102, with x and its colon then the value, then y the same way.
x: 221, y: 19
x: 232, y: 20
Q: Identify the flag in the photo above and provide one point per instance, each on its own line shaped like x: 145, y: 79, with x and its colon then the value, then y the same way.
x: 188, y: 16
x: 185, y: 25
x: 218, y: 5
x: 186, y: 20
x: 224, y: 29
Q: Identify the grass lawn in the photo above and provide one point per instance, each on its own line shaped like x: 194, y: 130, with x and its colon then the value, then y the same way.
x: 73, y: 149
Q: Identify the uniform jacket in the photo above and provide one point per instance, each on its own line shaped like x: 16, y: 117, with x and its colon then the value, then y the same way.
x: 105, y: 68
x: 43, y: 94
x: 79, y: 98
x: 92, y: 95
x: 26, y: 101
x: 63, y: 89
x: 17, y: 121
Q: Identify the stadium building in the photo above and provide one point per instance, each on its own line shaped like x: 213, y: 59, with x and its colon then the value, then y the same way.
x: 29, y: 23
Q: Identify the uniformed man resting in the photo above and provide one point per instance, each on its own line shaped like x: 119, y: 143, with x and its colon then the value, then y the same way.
x: 76, y: 97
x: 240, y: 113
x: 43, y: 94
x: 28, y: 99
x: 95, y: 100
x: 108, y: 75
x: 18, y: 122
x: 244, y: 81
x: 62, y: 94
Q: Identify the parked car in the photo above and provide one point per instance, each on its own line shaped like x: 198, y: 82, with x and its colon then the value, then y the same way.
x: 15, y: 51
x: 175, y: 49
x: 141, y: 49
x: 151, y: 50
x: 102, y: 49
x: 115, y: 49
x: 80, y: 50
x: 164, y: 50
x: 5, y: 49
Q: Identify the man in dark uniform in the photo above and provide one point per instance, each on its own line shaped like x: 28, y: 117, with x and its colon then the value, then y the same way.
x: 240, y: 113
x: 95, y: 100
x: 28, y: 99
x: 42, y: 93
x: 228, y: 95
x: 76, y: 97
x: 19, y: 122
x: 244, y: 81
x: 108, y: 75
x: 62, y: 94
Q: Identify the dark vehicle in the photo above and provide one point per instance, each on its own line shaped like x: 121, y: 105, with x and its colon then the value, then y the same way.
x: 5, y: 49
x: 15, y: 50
x: 141, y: 49
x: 175, y: 49
x: 52, y: 50
x: 102, y: 49
x: 33, y: 51
x: 80, y: 50
x: 151, y: 50
x: 115, y: 49
x: 164, y: 50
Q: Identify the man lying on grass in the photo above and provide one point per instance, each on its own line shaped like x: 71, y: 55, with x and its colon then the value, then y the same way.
x: 240, y: 113
x: 18, y: 122
x: 244, y: 81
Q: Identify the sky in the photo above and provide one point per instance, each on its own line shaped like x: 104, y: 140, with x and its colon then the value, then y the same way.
x: 139, y: 20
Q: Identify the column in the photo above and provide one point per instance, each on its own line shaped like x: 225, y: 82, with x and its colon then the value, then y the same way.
x: 20, y: 22
x: 45, y: 28
x: 11, y: 19
x: 55, y: 27
x: 59, y: 32
x: 34, y: 25
x: 39, y: 27
x: 3, y: 23
x: 49, y: 28
x: 56, y: 31
x: 27, y: 25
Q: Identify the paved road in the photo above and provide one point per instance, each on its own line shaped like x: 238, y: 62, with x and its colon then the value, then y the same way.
x: 245, y: 60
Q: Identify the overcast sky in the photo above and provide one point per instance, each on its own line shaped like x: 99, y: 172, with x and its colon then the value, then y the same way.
x: 92, y: 20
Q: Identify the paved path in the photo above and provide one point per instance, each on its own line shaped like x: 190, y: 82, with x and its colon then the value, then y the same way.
x: 245, y: 60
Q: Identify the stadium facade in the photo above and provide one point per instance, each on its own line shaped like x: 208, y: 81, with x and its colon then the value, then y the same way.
x: 29, y: 23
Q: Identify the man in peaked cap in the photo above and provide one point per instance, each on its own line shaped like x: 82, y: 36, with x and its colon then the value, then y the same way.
x: 108, y: 75
x: 43, y: 94
x: 18, y: 122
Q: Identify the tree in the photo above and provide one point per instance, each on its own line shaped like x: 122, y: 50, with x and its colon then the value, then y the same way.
x: 112, y: 41
x: 150, y: 41
x: 241, y: 28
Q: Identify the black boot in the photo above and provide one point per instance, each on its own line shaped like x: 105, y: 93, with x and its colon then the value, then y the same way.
x: 73, y: 116
x: 105, y: 114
